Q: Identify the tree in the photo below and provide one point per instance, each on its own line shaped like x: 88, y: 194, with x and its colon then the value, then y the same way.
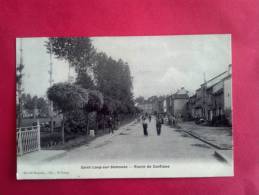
x: 85, y: 81
x: 19, y: 75
x: 31, y: 103
x: 152, y: 99
x: 78, y: 52
x: 96, y: 71
x: 74, y: 102
x: 113, y: 79
x: 94, y: 106
x: 140, y: 100
x: 42, y: 105
x: 125, y: 85
x: 95, y: 101
x: 27, y: 101
x: 67, y: 97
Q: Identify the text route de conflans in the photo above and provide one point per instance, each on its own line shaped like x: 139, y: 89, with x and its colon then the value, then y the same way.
x: 125, y: 166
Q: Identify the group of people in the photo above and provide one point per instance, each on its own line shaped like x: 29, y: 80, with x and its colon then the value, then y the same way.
x: 147, y: 117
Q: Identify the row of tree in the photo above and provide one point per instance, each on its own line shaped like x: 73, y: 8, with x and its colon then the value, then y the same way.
x: 102, y: 86
x: 151, y: 99
x: 31, y: 103
x: 33, y: 106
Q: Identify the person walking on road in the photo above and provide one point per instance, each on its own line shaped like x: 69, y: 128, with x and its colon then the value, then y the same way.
x: 110, y: 125
x: 149, y: 117
x: 158, y: 124
x: 144, y: 123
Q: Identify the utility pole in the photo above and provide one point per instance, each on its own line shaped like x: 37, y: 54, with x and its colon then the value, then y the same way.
x: 19, y: 85
x: 70, y: 78
x: 204, y: 77
x: 50, y: 84
x: 204, y: 95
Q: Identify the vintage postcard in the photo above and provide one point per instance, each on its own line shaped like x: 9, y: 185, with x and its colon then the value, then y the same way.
x: 124, y: 107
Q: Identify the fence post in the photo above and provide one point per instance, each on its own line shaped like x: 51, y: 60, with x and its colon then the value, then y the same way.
x: 20, y: 141
x: 38, y: 134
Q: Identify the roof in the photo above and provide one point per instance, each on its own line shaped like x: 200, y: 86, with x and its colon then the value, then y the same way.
x: 215, y: 79
x: 181, y: 91
x: 180, y: 96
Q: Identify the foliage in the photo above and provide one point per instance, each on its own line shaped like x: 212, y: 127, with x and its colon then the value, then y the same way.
x: 85, y: 81
x: 67, y: 97
x: 70, y: 97
x: 78, y: 52
x: 75, y: 121
x: 30, y: 103
x: 42, y: 105
x: 140, y: 100
x: 113, y: 79
x: 75, y: 103
x: 152, y: 99
x: 95, y: 71
x: 19, y: 74
x: 95, y: 102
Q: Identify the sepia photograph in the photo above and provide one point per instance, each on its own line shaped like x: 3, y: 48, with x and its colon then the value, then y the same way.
x: 124, y: 107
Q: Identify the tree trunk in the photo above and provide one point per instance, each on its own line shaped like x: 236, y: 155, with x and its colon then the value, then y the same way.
x: 63, y: 130
x: 96, y: 123
x: 103, y: 122
x: 87, y: 124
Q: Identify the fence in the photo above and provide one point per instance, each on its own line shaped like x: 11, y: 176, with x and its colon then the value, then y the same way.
x: 27, y: 139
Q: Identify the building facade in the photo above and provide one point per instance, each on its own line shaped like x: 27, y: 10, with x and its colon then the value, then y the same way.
x: 228, y: 98
x: 213, y: 100
x: 146, y: 107
x: 176, y: 104
x: 179, y: 103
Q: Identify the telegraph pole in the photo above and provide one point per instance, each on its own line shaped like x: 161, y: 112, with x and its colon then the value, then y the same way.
x: 19, y: 85
x: 50, y: 84
x: 205, y: 95
x: 70, y: 78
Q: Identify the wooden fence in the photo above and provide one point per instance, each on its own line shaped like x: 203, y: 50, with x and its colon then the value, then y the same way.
x: 27, y: 139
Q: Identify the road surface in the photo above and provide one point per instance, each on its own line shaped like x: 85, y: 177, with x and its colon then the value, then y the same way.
x: 129, y: 144
x: 127, y: 153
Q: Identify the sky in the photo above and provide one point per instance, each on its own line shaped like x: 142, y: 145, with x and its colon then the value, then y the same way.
x: 159, y: 64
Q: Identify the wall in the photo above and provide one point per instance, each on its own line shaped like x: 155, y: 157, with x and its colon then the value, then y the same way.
x: 147, y: 108
x: 179, y: 106
x: 228, y: 98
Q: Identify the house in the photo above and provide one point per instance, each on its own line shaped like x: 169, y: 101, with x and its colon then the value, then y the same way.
x: 155, y: 106
x: 160, y: 105
x: 164, y: 106
x: 146, y: 107
x: 178, y: 102
x: 213, y: 100
x: 228, y: 97
x: 191, y: 109
x: 33, y: 113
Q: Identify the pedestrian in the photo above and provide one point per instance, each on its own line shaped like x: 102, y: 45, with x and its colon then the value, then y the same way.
x: 110, y: 125
x: 144, y: 123
x: 139, y: 118
x: 158, y: 125
x: 149, y: 117
x: 174, y: 121
x: 170, y: 121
